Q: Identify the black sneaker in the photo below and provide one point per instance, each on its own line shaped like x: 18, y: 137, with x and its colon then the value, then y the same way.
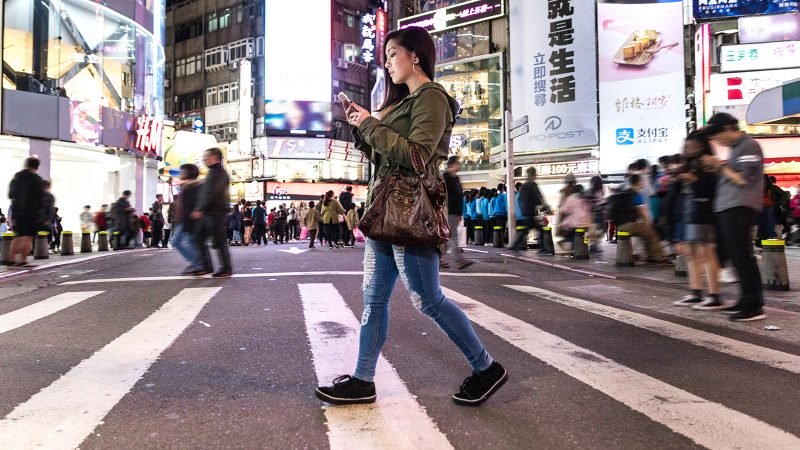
x: 749, y: 316
x: 710, y: 304
x: 222, y: 274
x: 463, y: 264
x: 201, y: 272
x: 347, y: 390
x: 478, y: 387
x: 688, y: 300
x: 731, y: 309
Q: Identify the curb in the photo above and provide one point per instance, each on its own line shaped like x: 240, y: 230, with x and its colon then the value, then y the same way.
x: 10, y: 274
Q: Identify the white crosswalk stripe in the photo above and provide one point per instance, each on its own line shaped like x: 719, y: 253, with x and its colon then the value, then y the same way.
x: 705, y: 422
x: 396, y: 420
x: 61, y: 415
x: 42, y: 309
x: 744, y: 350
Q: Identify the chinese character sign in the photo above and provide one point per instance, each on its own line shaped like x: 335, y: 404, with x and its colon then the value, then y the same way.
x: 553, y: 73
x: 642, y: 88
x: 368, y: 35
x: 764, y: 56
x: 149, y: 131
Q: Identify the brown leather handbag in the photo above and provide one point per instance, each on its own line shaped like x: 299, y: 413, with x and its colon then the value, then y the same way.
x: 408, y: 207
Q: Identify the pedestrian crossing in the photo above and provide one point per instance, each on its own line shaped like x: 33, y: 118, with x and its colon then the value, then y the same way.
x: 65, y: 412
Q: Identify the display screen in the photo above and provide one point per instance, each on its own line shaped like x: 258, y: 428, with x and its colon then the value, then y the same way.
x: 297, y: 67
x: 712, y: 9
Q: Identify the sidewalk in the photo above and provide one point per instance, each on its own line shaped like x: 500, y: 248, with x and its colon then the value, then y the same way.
x: 56, y: 260
x: 604, y: 265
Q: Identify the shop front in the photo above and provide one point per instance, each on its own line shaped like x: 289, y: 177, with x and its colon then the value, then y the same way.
x: 296, y: 193
x: 83, y: 92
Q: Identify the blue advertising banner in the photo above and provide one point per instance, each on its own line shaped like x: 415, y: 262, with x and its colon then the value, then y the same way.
x: 718, y: 9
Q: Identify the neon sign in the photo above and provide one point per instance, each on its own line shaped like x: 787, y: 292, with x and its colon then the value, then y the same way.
x: 455, y: 16
x: 149, y: 132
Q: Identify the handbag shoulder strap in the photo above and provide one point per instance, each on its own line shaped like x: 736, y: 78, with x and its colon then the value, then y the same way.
x: 416, y: 158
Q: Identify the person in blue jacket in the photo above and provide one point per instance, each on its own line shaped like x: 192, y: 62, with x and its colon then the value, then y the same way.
x: 473, y: 214
x: 483, y: 210
x: 467, y: 214
x: 490, y: 203
x: 501, y: 209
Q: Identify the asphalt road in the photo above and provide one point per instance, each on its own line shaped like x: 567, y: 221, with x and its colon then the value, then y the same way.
x: 120, y: 352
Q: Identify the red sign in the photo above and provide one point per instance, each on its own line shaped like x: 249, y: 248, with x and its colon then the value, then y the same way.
x: 149, y: 131
x: 314, y: 189
x: 381, y: 22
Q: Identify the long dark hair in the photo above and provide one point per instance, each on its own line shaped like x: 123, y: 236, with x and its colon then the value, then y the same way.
x: 701, y: 137
x: 413, y: 39
x: 328, y: 198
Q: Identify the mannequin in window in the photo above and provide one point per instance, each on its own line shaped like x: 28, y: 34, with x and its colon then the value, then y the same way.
x: 478, y: 90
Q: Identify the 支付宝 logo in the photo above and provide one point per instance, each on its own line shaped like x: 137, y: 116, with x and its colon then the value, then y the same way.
x: 625, y: 136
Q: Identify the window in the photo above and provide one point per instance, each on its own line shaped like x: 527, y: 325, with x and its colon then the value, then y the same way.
x: 223, y: 96
x: 260, y: 46
x: 180, y: 68
x: 239, y: 14
x: 234, y: 91
x: 168, y: 71
x: 190, y: 101
x: 188, y: 30
x: 225, y: 18
x: 190, y: 65
x: 213, y: 23
x: 211, y: 96
x: 350, y: 20
x: 216, y: 57
x: 241, y: 49
x: 350, y: 52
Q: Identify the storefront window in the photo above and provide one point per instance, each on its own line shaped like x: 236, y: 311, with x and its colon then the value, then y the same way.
x: 464, y: 42
x: 89, y: 53
x: 477, y: 85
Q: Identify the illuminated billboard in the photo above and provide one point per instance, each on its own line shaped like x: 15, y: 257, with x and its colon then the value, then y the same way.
x: 297, y: 67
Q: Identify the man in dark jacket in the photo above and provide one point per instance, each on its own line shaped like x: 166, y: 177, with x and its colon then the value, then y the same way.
x: 123, y: 220
x: 157, y: 222
x: 212, y: 212
x: 259, y: 223
x: 26, y: 194
x: 530, y: 201
x: 346, y: 198
x: 455, y: 209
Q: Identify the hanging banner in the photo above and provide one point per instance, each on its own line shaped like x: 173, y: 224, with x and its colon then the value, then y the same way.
x: 642, y: 87
x: 553, y: 73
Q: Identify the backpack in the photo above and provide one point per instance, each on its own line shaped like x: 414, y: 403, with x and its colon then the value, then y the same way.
x: 620, y: 207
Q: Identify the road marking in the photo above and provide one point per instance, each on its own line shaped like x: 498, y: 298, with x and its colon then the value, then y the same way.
x: 42, y: 309
x: 61, y: 415
x: 591, y: 273
x: 272, y: 274
x: 722, y: 344
x: 295, y: 251
x: 466, y: 249
x: 706, y: 423
x: 396, y: 420
x: 67, y: 262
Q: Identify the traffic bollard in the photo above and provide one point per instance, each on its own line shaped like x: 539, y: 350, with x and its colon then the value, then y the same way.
x: 681, y: 266
x: 624, y: 249
x: 5, y: 248
x: 86, y: 242
x: 67, y: 244
x: 773, y: 268
x: 497, y: 237
x: 478, y: 235
x: 102, y: 241
x: 548, y: 249
x: 115, y: 236
x: 580, y: 246
x: 42, y: 247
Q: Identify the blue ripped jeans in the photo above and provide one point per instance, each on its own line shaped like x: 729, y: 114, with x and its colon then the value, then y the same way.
x: 418, y: 268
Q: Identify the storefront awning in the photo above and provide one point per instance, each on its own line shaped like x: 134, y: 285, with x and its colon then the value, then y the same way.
x: 776, y: 106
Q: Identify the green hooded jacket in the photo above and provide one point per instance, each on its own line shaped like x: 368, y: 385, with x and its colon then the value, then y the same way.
x: 425, y: 117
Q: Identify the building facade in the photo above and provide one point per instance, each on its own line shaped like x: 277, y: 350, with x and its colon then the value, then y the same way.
x: 83, y: 91
x: 223, y: 70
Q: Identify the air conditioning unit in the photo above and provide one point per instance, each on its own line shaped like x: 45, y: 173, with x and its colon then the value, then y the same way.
x: 341, y: 63
x: 233, y: 65
x: 249, y: 50
x: 166, y: 83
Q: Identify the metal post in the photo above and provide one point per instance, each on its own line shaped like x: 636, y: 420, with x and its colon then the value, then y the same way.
x: 512, y: 214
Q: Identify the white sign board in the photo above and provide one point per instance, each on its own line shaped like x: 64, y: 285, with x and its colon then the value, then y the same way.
x: 553, y: 73
x: 765, y: 56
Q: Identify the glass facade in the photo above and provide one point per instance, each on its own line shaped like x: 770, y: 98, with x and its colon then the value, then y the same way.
x: 94, y: 56
x: 477, y: 84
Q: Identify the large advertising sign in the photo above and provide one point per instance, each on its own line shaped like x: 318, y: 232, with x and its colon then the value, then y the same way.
x: 553, y: 73
x: 455, y: 16
x: 756, y: 29
x: 714, y: 9
x: 734, y: 92
x: 297, y: 67
x: 642, y: 88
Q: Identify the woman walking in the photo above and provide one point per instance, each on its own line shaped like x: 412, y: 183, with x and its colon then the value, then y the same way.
x: 247, y: 220
x: 699, y: 237
x: 331, y: 210
x: 419, y: 111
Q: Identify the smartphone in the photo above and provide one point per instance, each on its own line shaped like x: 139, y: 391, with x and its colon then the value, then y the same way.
x: 344, y: 99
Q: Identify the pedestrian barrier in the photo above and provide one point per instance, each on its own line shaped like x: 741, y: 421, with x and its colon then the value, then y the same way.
x: 773, y: 268
x: 42, y: 247
x: 681, y: 266
x: 580, y: 246
x: 497, y: 237
x: 115, y: 236
x: 5, y: 248
x: 548, y: 249
x: 478, y: 235
x: 102, y: 241
x: 67, y: 244
x: 86, y: 242
x: 624, y: 249
x: 523, y: 229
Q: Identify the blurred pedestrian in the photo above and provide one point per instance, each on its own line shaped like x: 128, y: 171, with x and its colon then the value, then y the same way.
x: 351, y: 220
x: 531, y: 202
x: 259, y: 223
x: 184, y: 226
x: 86, y: 219
x: 100, y: 220
x: 157, y: 222
x: 331, y: 209
x: 312, y: 221
x: 27, y: 202
x: 737, y: 204
x: 455, y: 210
x: 123, y: 223
x: 211, y: 211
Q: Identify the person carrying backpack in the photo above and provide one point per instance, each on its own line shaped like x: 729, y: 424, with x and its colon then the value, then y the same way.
x: 625, y: 209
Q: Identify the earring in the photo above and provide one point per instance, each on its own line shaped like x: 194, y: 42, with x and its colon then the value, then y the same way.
x: 416, y: 72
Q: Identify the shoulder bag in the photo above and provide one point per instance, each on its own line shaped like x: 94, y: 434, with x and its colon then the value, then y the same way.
x: 408, y: 208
